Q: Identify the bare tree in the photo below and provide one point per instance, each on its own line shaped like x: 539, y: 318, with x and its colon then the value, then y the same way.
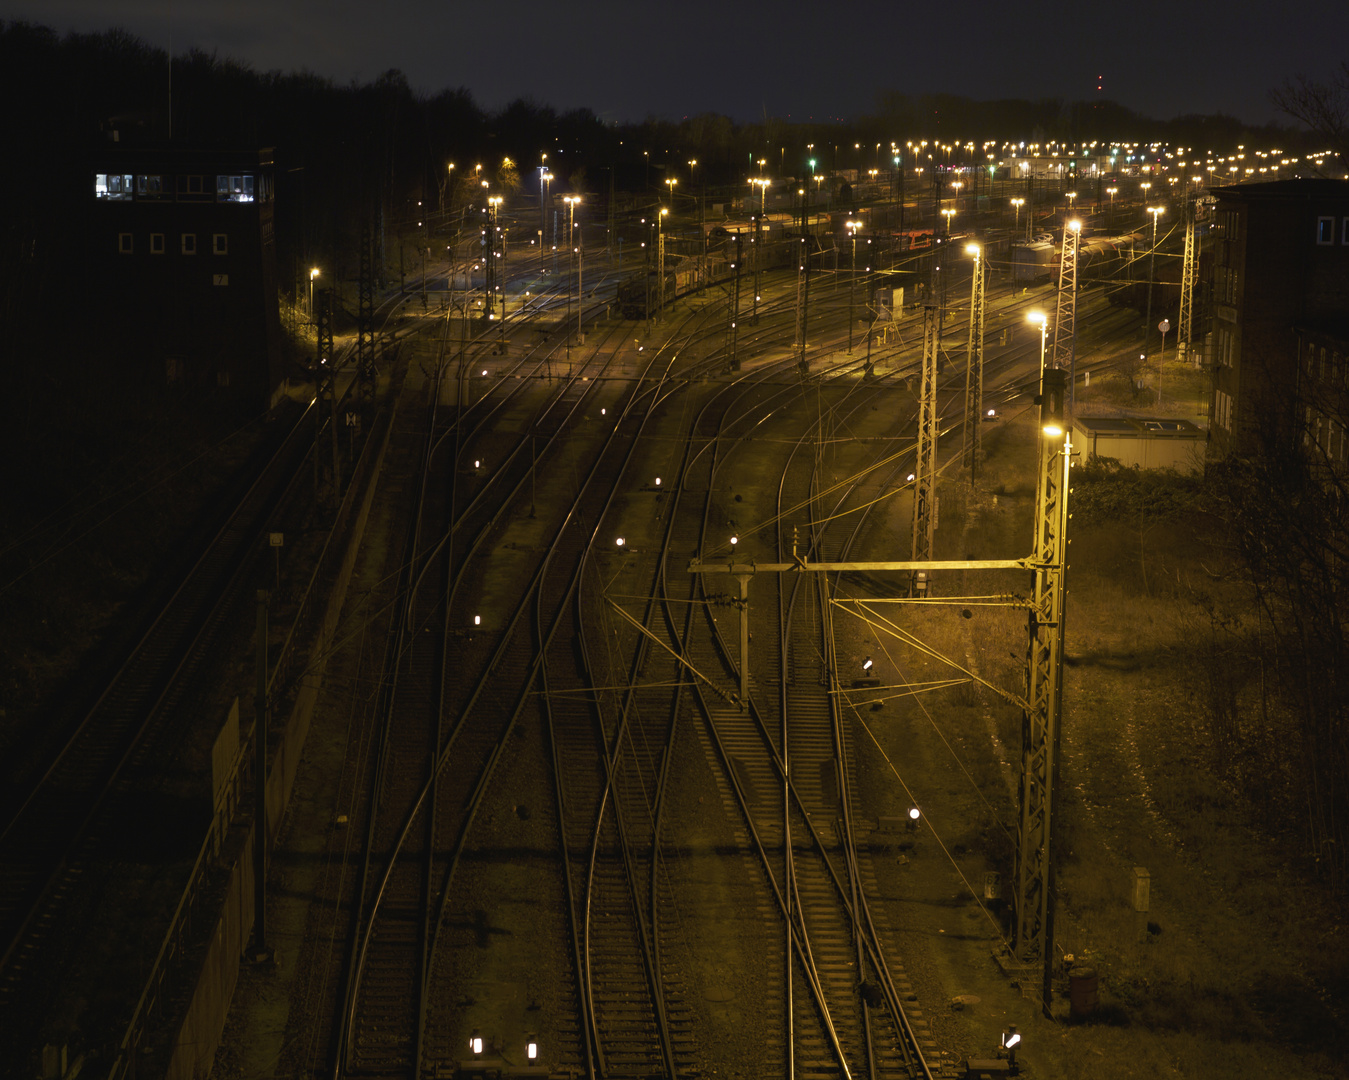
x: 1322, y: 106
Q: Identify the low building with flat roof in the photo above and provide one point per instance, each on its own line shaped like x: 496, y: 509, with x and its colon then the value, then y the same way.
x: 1149, y: 442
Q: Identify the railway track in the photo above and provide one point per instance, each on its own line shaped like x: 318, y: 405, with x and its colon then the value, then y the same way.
x: 73, y: 813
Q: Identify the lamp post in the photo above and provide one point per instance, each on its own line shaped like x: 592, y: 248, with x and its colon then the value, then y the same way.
x: 1040, y: 319
x: 545, y: 180
x: 494, y: 201
x: 1156, y: 212
x: 1017, y: 204
x: 852, y: 225
x: 757, y: 240
x: 571, y: 201
x: 660, y: 256
x: 948, y: 214
x: 313, y: 273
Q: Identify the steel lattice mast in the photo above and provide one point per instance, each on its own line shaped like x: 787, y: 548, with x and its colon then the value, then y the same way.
x: 1064, y: 355
x: 1040, y: 729
x: 925, y: 469
x: 974, y: 369
x: 1188, y: 271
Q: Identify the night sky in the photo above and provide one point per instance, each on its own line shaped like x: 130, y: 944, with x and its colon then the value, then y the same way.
x: 628, y: 60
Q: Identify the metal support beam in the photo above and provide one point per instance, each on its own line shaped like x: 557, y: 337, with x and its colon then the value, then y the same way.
x: 925, y: 469
x: 1188, y: 272
x: 1040, y: 729
x: 1064, y: 354
x: 974, y: 368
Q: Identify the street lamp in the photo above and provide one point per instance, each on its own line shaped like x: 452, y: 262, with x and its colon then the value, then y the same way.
x: 1039, y: 318
x: 948, y: 214
x: 852, y: 225
x: 571, y: 201
x: 493, y: 201
x: 313, y: 273
x: 763, y: 184
x: 1017, y: 204
x: 1156, y: 212
x: 545, y: 180
x: 660, y: 253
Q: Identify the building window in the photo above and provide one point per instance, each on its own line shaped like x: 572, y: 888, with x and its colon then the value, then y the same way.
x: 1225, y: 340
x: 156, y: 243
x: 150, y: 186
x: 114, y: 186
x: 124, y: 243
x: 1222, y: 410
x: 234, y: 188
x: 189, y: 243
x: 189, y: 185
x: 220, y: 244
x: 1325, y: 231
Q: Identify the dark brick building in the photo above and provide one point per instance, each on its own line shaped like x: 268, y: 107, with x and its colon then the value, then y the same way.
x: 183, y: 248
x: 1280, y: 312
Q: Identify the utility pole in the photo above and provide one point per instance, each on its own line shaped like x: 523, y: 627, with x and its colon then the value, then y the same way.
x: 925, y: 468
x: 1041, y: 722
x: 1064, y: 355
x: 974, y: 367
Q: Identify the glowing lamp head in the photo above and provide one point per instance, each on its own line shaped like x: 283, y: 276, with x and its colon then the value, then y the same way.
x: 1075, y: 225
x: 532, y: 1049
x: 475, y: 1044
x: 914, y: 813
x: 972, y: 249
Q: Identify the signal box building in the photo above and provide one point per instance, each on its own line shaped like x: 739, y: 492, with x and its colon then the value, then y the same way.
x: 184, y: 242
x: 1280, y: 314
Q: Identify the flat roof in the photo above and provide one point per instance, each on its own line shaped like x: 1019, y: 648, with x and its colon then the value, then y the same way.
x: 1146, y: 426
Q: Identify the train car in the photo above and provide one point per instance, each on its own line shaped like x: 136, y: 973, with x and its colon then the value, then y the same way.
x: 1035, y: 262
